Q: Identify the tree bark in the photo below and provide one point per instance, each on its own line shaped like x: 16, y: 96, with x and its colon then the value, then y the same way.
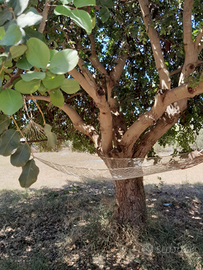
x: 130, y: 197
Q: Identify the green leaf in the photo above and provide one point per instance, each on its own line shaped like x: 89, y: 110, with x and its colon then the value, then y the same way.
x: 20, y: 6
x: 32, y: 17
x: 107, y: 3
x: 2, y: 32
x: 37, y: 53
x: 104, y: 14
x: 84, y: 3
x: 56, y: 97
x: 52, y: 139
x: 8, y: 63
x: 34, y: 2
x: 93, y: 22
x: 10, y: 141
x: 70, y: 86
x: 12, y: 36
x: 52, y: 53
x: 32, y: 33
x: 80, y: 17
x: 31, y: 75
x: 24, y: 64
x: 27, y: 87
x: 17, y: 51
x: 10, y: 101
x: 42, y: 89
x: 4, y: 122
x: 54, y: 81
x: 63, y: 61
x: 29, y: 174
x: 5, y: 15
x: 21, y: 156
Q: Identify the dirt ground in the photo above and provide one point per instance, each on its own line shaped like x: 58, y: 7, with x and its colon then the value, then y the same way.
x: 51, y: 178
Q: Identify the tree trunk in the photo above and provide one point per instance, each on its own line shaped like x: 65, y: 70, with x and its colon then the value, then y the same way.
x: 130, y: 197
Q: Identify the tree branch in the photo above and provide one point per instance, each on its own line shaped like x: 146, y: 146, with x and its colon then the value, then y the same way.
x: 118, y: 69
x: 94, y: 59
x: 44, y: 17
x: 187, y: 25
x: 175, y: 71
x: 191, y: 53
x: 164, y: 77
x: 86, y: 73
x: 199, y: 41
x: 12, y: 79
x: 77, y: 121
x: 105, y: 117
x: 84, y: 83
x: 150, y: 117
x: 156, y: 132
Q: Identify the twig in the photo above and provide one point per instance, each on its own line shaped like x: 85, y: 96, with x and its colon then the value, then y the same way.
x: 175, y: 71
x: 18, y: 129
x: 44, y: 17
x: 39, y: 109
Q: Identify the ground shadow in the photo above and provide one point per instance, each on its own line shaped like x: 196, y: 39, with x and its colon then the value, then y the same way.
x: 75, y: 228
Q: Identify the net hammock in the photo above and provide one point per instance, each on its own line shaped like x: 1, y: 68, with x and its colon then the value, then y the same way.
x: 124, y: 168
x: 95, y: 168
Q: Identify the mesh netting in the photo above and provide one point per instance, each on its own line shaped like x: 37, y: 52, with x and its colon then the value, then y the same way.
x: 125, y: 168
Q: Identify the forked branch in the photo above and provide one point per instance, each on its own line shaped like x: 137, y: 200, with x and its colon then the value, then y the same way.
x: 164, y: 76
x: 150, y: 117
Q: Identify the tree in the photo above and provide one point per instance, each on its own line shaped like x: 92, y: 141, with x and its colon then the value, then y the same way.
x: 137, y: 67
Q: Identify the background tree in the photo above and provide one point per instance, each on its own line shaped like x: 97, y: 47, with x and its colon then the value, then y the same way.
x: 124, y: 72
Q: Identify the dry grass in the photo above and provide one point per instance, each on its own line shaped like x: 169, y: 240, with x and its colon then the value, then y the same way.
x: 76, y: 228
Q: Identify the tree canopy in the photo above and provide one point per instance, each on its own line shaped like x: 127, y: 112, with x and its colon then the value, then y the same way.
x: 119, y: 72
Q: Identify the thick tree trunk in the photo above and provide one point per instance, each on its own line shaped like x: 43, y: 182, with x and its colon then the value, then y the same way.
x: 130, y: 197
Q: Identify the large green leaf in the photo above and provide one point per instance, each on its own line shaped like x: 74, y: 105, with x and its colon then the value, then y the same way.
x: 56, y: 97
x: 54, y: 81
x: 4, y: 122
x: 80, y: 17
x: 29, y: 174
x: 107, y: 3
x: 21, y: 156
x: 10, y: 101
x: 27, y: 87
x: 38, y: 53
x: 5, y: 15
x: 31, y: 75
x: 12, y: 36
x: 17, y: 51
x: 84, y: 3
x: 104, y: 14
x: 52, y: 53
x: 42, y: 88
x: 24, y: 64
x: 20, y: 6
x: 32, y: 17
x: 32, y: 33
x: 70, y: 86
x: 52, y: 139
x: 10, y: 141
x: 63, y: 61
